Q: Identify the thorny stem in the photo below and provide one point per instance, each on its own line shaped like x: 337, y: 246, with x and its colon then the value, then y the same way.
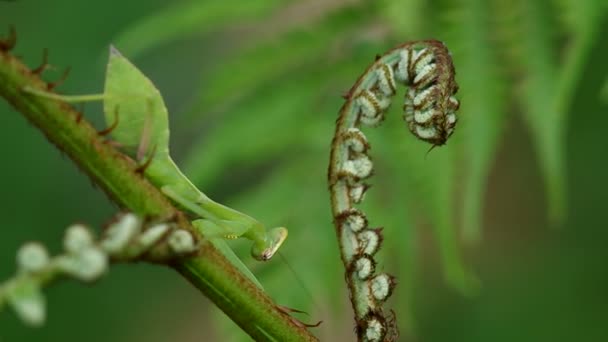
x: 115, y: 173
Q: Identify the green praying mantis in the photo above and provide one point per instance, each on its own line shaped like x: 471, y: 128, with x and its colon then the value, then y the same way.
x: 135, y: 110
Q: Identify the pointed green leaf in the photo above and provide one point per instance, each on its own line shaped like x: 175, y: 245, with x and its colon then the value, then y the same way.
x: 133, y: 102
x: 481, y: 114
x: 239, y: 76
x: 189, y: 18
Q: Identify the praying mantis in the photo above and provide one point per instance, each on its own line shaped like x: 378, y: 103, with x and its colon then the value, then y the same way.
x: 138, y: 119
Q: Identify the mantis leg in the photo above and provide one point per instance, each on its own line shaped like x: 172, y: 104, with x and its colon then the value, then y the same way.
x: 226, y: 229
x: 214, y: 233
x: 265, y: 244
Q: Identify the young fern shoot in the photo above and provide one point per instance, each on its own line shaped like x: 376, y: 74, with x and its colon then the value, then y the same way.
x: 426, y: 68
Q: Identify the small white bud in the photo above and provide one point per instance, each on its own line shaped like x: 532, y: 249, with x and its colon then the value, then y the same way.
x: 29, y: 304
x: 151, y: 235
x: 32, y: 257
x: 361, y: 167
x: 77, y: 237
x: 364, y: 267
x: 369, y: 241
x: 386, y: 80
x: 425, y: 132
x: 454, y: 103
x: 355, y: 140
x: 181, y: 242
x: 88, y: 265
x: 425, y: 74
x: 402, y: 73
x: 381, y: 286
x: 408, y: 106
x: 423, y: 116
x: 375, y: 330
x: 451, y: 118
x: 422, y: 97
x: 119, y: 234
x: 372, y: 107
x: 357, y: 192
x: 353, y: 220
x: 422, y: 59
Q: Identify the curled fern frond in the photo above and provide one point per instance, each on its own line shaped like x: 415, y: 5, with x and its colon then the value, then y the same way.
x: 426, y: 68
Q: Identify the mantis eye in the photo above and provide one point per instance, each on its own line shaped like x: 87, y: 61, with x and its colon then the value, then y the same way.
x: 276, y: 237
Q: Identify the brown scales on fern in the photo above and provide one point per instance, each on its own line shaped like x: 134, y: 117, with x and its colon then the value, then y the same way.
x: 426, y: 68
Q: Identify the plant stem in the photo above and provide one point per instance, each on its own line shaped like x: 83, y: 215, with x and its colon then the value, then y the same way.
x: 116, y: 174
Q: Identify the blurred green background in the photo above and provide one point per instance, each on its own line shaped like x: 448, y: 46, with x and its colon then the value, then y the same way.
x: 498, y: 236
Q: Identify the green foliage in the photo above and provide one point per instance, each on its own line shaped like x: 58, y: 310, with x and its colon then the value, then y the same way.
x: 276, y: 102
x: 132, y: 103
x: 261, y: 121
x: 189, y: 18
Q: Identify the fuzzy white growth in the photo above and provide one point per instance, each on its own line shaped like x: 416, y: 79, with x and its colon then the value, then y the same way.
x: 29, y: 304
x: 426, y: 132
x: 424, y: 116
x: 153, y: 234
x: 408, y: 106
x: 361, y: 167
x: 380, y: 286
x: 355, y: 221
x: 402, y: 74
x: 372, y: 122
x: 454, y: 102
x: 357, y: 192
x: 423, y: 61
x: 88, y: 265
x: 386, y: 80
x: 355, y: 140
x: 369, y: 241
x: 368, y: 104
x: 32, y: 257
x: 77, y: 237
x: 451, y: 117
x: 421, y: 96
x: 424, y: 72
x: 181, y: 242
x: 118, y: 235
x: 372, y: 107
x: 374, y: 331
x: 364, y: 267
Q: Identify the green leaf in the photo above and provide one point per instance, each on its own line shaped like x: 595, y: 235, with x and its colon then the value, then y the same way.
x: 482, y: 112
x: 539, y: 68
x: 408, y: 18
x: 239, y: 76
x: 134, y: 103
x: 426, y: 181
x: 549, y: 91
x: 293, y: 112
x: 189, y: 18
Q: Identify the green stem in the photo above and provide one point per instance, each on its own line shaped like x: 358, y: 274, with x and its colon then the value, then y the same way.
x: 115, y: 173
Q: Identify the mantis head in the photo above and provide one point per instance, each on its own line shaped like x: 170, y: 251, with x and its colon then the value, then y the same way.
x: 273, y: 241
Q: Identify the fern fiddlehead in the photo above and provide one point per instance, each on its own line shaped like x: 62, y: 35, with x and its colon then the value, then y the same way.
x: 426, y: 68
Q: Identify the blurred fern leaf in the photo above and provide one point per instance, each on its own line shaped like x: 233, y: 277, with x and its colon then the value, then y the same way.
x: 186, y: 19
x: 276, y: 102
